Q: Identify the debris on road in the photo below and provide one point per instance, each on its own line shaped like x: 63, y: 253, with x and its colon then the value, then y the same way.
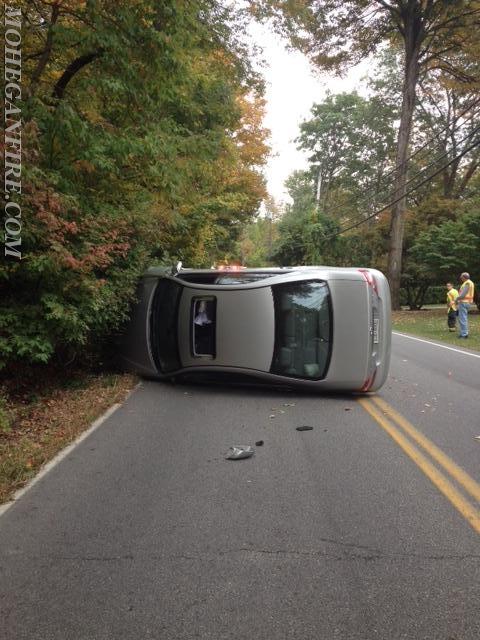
x: 238, y: 452
x: 259, y: 443
x: 289, y: 404
x: 272, y: 415
x: 304, y: 428
x: 476, y: 437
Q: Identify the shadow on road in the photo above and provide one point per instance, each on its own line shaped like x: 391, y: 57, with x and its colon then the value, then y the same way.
x: 240, y: 385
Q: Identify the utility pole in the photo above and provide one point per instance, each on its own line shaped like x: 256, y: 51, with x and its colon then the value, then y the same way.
x: 319, y: 188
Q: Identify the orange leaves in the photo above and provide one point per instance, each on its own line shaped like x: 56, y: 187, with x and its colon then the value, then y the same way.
x: 84, y: 165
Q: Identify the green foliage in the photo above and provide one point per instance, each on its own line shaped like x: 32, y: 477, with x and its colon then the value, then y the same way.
x: 432, y: 36
x: 5, y: 417
x: 143, y: 142
x: 444, y: 251
x: 256, y: 243
x: 439, y: 254
x: 304, y: 233
x: 350, y: 141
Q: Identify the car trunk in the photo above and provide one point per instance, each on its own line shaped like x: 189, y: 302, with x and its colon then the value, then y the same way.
x: 351, y: 334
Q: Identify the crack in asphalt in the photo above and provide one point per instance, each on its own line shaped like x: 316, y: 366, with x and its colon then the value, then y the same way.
x: 268, y: 552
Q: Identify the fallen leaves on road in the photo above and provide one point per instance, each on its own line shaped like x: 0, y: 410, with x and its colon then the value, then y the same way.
x: 46, y: 423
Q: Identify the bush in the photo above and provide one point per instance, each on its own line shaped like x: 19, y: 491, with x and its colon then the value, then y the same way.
x: 5, y: 417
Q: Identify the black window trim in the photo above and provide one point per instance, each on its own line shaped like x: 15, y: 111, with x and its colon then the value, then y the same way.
x: 209, y: 298
x: 329, y: 341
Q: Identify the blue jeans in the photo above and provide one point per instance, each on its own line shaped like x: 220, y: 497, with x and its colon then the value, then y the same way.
x: 463, y: 318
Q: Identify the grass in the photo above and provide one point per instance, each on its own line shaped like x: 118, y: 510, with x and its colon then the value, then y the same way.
x: 432, y: 323
x: 36, y: 424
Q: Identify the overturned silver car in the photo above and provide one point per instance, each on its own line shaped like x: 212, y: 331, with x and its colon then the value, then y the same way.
x: 321, y: 328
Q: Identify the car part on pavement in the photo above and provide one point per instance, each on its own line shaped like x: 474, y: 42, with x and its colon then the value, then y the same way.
x: 238, y: 452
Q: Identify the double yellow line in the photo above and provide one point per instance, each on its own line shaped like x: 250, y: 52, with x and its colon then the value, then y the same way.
x: 403, y: 433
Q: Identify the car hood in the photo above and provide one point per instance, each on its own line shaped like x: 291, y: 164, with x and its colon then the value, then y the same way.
x: 245, y: 328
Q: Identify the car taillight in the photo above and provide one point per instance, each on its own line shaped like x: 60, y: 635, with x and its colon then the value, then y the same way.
x: 369, y: 279
x: 230, y: 267
x: 368, y: 382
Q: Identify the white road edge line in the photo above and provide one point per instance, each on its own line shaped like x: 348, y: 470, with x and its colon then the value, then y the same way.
x: 64, y: 452
x: 436, y: 344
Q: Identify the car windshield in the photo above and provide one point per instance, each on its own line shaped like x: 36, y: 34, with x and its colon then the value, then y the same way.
x: 163, y: 326
x: 303, y: 329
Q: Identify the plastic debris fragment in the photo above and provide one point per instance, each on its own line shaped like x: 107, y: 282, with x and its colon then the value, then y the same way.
x: 259, y: 443
x: 238, y: 452
x: 304, y: 428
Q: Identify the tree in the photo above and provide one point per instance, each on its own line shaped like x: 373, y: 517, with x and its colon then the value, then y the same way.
x: 143, y: 142
x: 441, y: 252
x: 350, y: 140
x: 449, y: 113
x: 255, y: 246
x: 444, y: 251
x: 303, y: 230
x: 341, y: 32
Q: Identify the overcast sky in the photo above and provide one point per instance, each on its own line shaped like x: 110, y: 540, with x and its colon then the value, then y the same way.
x: 291, y: 90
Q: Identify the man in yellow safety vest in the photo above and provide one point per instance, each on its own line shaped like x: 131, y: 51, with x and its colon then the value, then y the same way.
x: 452, y: 295
x: 464, y: 300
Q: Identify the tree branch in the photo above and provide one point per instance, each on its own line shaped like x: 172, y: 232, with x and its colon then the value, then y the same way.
x: 45, y: 56
x: 72, y: 69
x: 473, y: 166
x: 389, y: 7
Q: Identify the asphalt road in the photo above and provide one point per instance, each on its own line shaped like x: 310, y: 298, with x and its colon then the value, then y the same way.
x: 358, y: 529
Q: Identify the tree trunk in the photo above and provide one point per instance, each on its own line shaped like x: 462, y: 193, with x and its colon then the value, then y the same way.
x: 45, y: 57
x: 397, y: 222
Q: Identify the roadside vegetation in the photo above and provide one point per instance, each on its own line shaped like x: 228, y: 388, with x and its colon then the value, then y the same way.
x: 43, y: 416
x: 432, y: 324
x: 142, y: 142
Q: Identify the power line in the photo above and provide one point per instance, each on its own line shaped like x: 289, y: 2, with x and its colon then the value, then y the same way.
x: 364, y: 196
x: 407, y: 193
x: 431, y: 164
